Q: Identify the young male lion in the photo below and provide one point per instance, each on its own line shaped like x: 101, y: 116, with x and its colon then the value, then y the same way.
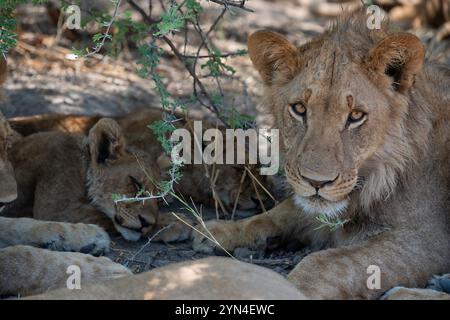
x: 26, y: 269
x: 365, y: 126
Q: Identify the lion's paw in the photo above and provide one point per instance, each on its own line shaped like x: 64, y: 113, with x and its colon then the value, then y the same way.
x: 56, y: 236
x: 172, y: 228
x: 219, y: 236
x: 401, y: 293
x: 173, y: 233
x: 96, y: 269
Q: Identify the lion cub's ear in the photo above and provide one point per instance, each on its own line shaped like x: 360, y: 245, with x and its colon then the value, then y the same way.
x: 400, y: 56
x: 106, y: 141
x: 275, y: 58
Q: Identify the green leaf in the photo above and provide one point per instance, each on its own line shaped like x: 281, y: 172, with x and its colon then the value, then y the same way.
x: 171, y: 21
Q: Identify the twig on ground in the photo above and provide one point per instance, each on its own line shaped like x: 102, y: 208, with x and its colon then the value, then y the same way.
x: 261, y: 185
x: 236, y: 201
x: 149, y: 240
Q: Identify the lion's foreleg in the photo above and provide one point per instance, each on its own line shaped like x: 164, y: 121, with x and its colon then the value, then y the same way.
x: 254, y: 232
x: 27, y: 270
x: 368, y: 270
x: 58, y: 236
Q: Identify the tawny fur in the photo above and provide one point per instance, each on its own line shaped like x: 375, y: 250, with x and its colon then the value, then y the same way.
x: 26, y: 269
x: 72, y: 178
x: 194, y: 184
x: 211, y: 278
x: 391, y: 172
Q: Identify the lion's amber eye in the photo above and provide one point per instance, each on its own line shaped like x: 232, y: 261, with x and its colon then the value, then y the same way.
x: 356, y: 116
x: 298, y: 109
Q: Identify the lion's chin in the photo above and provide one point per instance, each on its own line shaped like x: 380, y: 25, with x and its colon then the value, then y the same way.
x: 320, y: 206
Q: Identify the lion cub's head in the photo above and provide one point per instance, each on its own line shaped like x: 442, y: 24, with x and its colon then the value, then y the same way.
x: 8, y: 186
x: 340, y: 102
x: 116, y: 169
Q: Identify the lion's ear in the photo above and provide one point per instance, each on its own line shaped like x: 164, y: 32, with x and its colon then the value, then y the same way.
x: 275, y: 58
x: 400, y: 56
x: 106, y: 141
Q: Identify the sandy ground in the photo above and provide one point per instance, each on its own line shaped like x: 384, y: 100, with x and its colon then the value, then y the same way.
x: 42, y: 81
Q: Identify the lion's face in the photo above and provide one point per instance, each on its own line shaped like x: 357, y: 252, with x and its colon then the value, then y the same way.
x: 337, y: 113
x: 330, y: 132
x: 117, y: 172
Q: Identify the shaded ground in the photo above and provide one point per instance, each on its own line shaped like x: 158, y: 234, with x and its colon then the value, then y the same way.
x: 144, y: 254
x: 42, y: 81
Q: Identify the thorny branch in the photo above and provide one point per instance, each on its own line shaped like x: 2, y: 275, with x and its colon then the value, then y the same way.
x: 200, y: 91
x: 106, y: 35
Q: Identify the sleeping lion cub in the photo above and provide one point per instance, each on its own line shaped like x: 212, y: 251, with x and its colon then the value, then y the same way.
x: 194, y: 184
x: 25, y: 268
x: 72, y: 178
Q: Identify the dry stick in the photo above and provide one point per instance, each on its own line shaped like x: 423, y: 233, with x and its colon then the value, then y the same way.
x: 211, y: 177
x: 238, y: 194
x: 212, y: 185
x: 161, y: 2
x: 205, y: 36
x: 238, y: 4
x: 211, y: 106
x: 269, y: 262
x: 106, y: 34
x: 224, y: 55
x: 216, y: 197
x: 149, y: 239
x: 257, y: 194
x: 150, y: 8
x: 210, y: 237
x: 60, y: 25
x: 261, y: 185
x: 206, y: 43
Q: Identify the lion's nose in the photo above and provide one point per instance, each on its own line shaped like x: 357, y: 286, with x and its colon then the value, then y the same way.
x: 318, y: 184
